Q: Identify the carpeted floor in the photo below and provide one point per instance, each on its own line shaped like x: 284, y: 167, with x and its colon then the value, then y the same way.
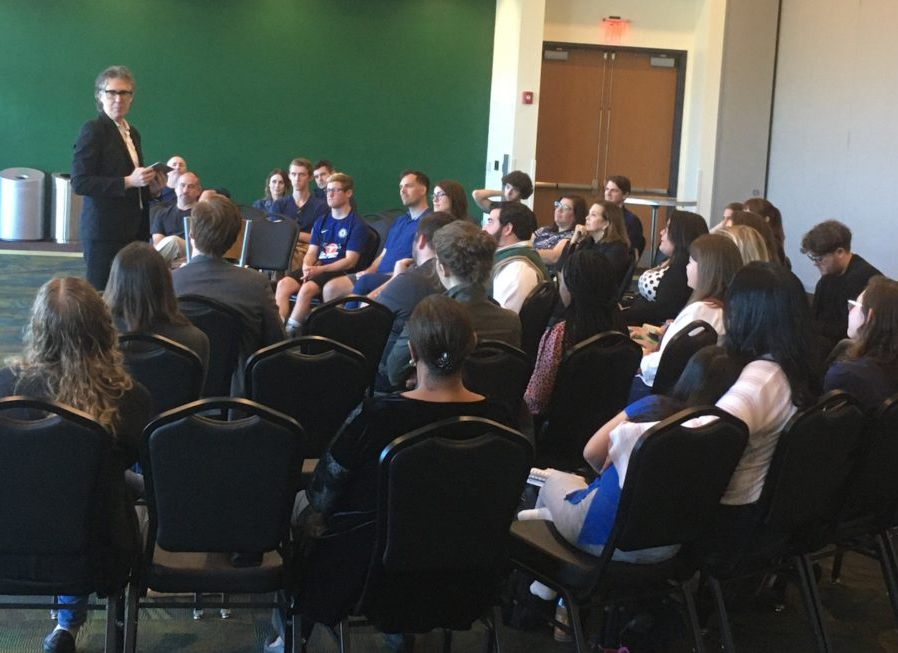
x: 23, y: 272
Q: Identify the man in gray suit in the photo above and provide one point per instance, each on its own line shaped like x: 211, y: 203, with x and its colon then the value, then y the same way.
x: 215, y: 224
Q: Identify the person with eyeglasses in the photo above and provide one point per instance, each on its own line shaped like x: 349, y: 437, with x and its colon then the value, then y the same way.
x: 449, y: 196
x: 843, y: 275
x: 338, y: 241
x: 108, y: 171
x: 549, y: 242
x: 413, y: 187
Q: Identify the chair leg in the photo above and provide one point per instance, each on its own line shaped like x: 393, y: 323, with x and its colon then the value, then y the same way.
x: 836, y: 572
x: 811, y: 600
x: 725, y: 633
x: 131, y: 618
x: 113, y: 603
x: 693, y: 619
x: 343, y: 631
x: 447, y: 640
x: 575, y: 621
x: 889, y: 569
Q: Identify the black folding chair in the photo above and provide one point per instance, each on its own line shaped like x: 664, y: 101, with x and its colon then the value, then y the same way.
x: 592, y: 385
x: 669, y: 494
x: 446, y: 496
x: 803, y: 493
x: 171, y: 372
x: 365, y: 328
x: 214, y: 488
x: 58, y: 522
x: 535, y: 314
x: 222, y: 325
x: 315, y: 380
x: 678, y: 351
x: 628, y: 276
x: 499, y: 370
x: 271, y: 244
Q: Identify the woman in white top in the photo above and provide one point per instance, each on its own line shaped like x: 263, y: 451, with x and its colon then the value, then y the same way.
x: 713, y: 261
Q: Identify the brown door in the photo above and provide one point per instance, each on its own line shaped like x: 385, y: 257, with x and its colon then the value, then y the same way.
x: 604, y: 112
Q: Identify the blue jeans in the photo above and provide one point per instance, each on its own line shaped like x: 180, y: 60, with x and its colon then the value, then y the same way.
x: 75, y: 615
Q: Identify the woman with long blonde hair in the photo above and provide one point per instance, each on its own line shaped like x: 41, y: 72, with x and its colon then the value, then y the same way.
x: 71, y: 356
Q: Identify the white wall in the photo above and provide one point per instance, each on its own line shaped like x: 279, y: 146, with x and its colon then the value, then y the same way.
x: 834, y: 134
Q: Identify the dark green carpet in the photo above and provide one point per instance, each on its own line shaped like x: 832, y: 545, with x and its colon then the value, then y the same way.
x: 22, y: 273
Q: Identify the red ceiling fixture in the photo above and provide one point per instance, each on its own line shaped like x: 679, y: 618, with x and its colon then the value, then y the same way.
x: 614, y: 28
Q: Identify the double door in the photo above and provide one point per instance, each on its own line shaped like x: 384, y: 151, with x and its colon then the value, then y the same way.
x: 607, y: 112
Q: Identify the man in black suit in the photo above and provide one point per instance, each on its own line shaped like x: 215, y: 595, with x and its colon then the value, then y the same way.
x: 214, y: 226
x: 107, y: 169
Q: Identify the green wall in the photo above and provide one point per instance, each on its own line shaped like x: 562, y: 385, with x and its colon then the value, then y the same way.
x: 241, y: 86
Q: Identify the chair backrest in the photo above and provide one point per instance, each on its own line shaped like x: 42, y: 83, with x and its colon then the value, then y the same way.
x: 813, y: 461
x: 678, y: 351
x: 372, y: 248
x: 592, y: 386
x: 220, y: 486
x: 222, y: 325
x: 446, y: 496
x: 171, y: 372
x: 499, y: 370
x: 381, y: 221
x: 250, y: 212
x: 535, y: 313
x: 874, y: 490
x: 237, y: 251
x: 628, y: 276
x: 327, y: 379
x: 365, y: 328
x: 49, y: 475
x: 675, y: 478
x: 271, y: 244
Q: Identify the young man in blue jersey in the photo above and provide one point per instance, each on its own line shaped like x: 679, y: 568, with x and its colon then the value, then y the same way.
x: 337, y: 243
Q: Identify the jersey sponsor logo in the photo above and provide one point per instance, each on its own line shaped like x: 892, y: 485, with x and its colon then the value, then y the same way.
x: 331, y: 250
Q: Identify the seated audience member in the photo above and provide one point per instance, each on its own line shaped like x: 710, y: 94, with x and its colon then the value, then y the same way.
x: 605, y: 232
x: 588, y: 292
x: 759, y: 224
x: 277, y: 186
x: 868, y: 366
x: 411, y: 283
x: 728, y: 212
x: 549, y: 242
x: 663, y: 291
x: 713, y: 261
x: 464, y: 258
x: 617, y: 190
x: 214, y: 226
x: 341, y: 498
x: 301, y: 205
x: 583, y: 514
x: 449, y: 196
x: 338, y: 241
x: 516, y: 187
x: 750, y: 243
x: 141, y: 298
x: 517, y: 267
x: 71, y: 356
x: 772, y: 217
x: 322, y: 170
x: 413, y: 187
x: 167, y: 194
x: 843, y: 275
x: 167, y: 224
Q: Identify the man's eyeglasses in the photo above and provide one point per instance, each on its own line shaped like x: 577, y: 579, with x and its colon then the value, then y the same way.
x: 816, y: 258
x: 125, y: 95
x: 333, y: 191
x: 563, y: 207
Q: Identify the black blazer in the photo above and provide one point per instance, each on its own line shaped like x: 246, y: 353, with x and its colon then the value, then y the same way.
x: 99, y: 165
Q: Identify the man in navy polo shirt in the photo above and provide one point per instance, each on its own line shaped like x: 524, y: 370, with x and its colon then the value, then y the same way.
x: 413, y: 188
x: 336, y: 246
x: 323, y: 169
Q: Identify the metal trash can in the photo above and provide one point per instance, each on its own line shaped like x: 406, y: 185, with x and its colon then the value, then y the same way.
x: 21, y: 204
x: 66, y: 210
